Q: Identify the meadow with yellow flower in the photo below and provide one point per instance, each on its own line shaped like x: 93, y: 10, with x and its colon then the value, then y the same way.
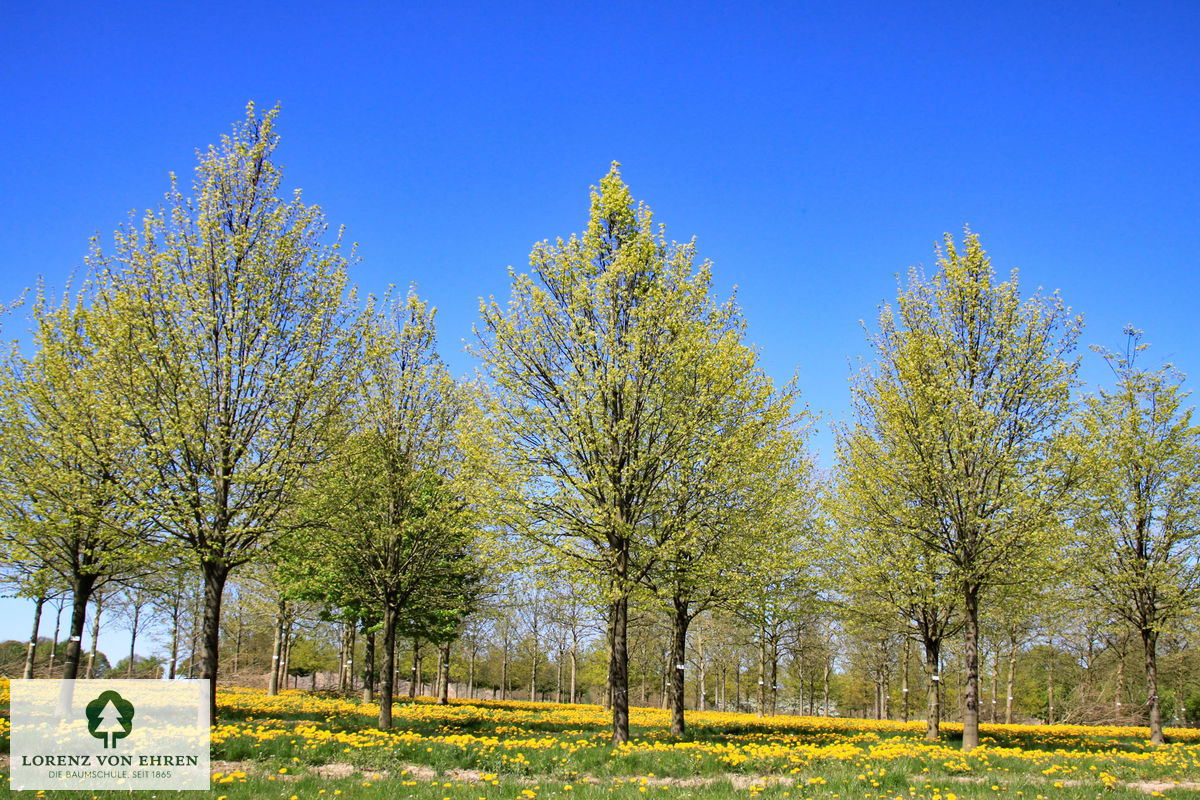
x: 304, y: 746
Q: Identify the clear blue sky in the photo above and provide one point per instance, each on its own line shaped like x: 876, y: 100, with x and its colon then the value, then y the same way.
x: 815, y: 152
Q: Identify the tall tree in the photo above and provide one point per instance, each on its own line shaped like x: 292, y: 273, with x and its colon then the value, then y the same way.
x: 603, y: 362
x: 229, y: 348
x: 736, y: 513
x: 398, y: 544
x: 65, y: 454
x: 967, y: 399
x: 1143, y: 526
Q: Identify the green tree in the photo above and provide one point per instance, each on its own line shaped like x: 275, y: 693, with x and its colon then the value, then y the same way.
x: 66, y: 454
x: 1143, y: 526
x: 736, y: 510
x: 606, y: 363
x: 229, y: 348
x: 398, y: 536
x: 969, y: 394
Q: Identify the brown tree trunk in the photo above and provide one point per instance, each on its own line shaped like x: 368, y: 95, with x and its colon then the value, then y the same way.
x: 277, y: 650
x: 971, y: 653
x: 91, y: 664
x: 574, y: 658
x: 133, y: 629
x: 54, y: 641
x: 1150, y: 648
x: 471, y: 673
x: 995, y: 683
x: 608, y: 674
x: 619, y: 665
x: 237, y: 638
x: 533, y: 665
x: 1050, y: 687
x: 558, y: 678
x: 825, y: 692
x: 387, y: 678
x: 1120, y: 682
x: 933, y: 710
x: 762, y: 670
x: 215, y: 573
x: 81, y: 595
x: 504, y: 670
x: 368, y: 673
x: 416, y: 670
x: 444, y: 676
x: 350, y: 657
x: 774, y: 675
x: 176, y: 615
x: 1012, y: 671
x: 904, y: 679
x: 679, y: 621
x: 31, y: 653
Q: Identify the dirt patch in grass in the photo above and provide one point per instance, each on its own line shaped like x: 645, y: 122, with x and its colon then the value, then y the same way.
x: 1162, y: 786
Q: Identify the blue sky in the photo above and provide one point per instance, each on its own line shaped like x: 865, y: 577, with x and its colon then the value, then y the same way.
x: 814, y: 151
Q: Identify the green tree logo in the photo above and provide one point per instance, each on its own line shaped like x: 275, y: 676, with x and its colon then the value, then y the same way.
x: 110, y: 717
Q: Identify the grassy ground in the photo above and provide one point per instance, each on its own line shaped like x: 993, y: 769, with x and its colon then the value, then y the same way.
x: 307, y: 747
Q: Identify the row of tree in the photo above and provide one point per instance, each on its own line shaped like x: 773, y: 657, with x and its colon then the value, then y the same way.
x: 216, y: 401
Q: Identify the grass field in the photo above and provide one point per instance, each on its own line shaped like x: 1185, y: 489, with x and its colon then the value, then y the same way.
x: 300, y: 746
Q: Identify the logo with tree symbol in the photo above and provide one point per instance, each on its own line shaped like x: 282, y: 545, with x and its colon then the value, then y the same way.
x: 110, y: 717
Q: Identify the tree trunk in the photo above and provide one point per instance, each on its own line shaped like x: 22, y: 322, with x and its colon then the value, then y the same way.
x: 81, y: 595
x: 387, y: 678
x: 471, y: 673
x: 368, y: 674
x: 933, y: 711
x: 774, y: 675
x: 995, y: 683
x: 762, y: 670
x: 904, y: 679
x: 558, y: 677
x: 1050, y: 687
x: 1150, y: 647
x: 54, y: 641
x: 611, y: 633
x: 237, y: 636
x: 1012, y: 670
x: 504, y: 671
x: 825, y: 696
x: 971, y: 654
x: 277, y: 650
x: 619, y: 664
x: 1120, y: 682
x: 444, y: 679
x: 133, y: 629
x: 574, y: 664
x: 416, y: 670
x: 350, y: 657
x: 91, y: 665
x: 887, y: 693
x: 215, y: 573
x: 285, y: 663
x: 724, y: 705
x: 176, y: 614
x: 737, y: 686
x: 533, y: 665
x: 31, y: 653
x: 679, y: 626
